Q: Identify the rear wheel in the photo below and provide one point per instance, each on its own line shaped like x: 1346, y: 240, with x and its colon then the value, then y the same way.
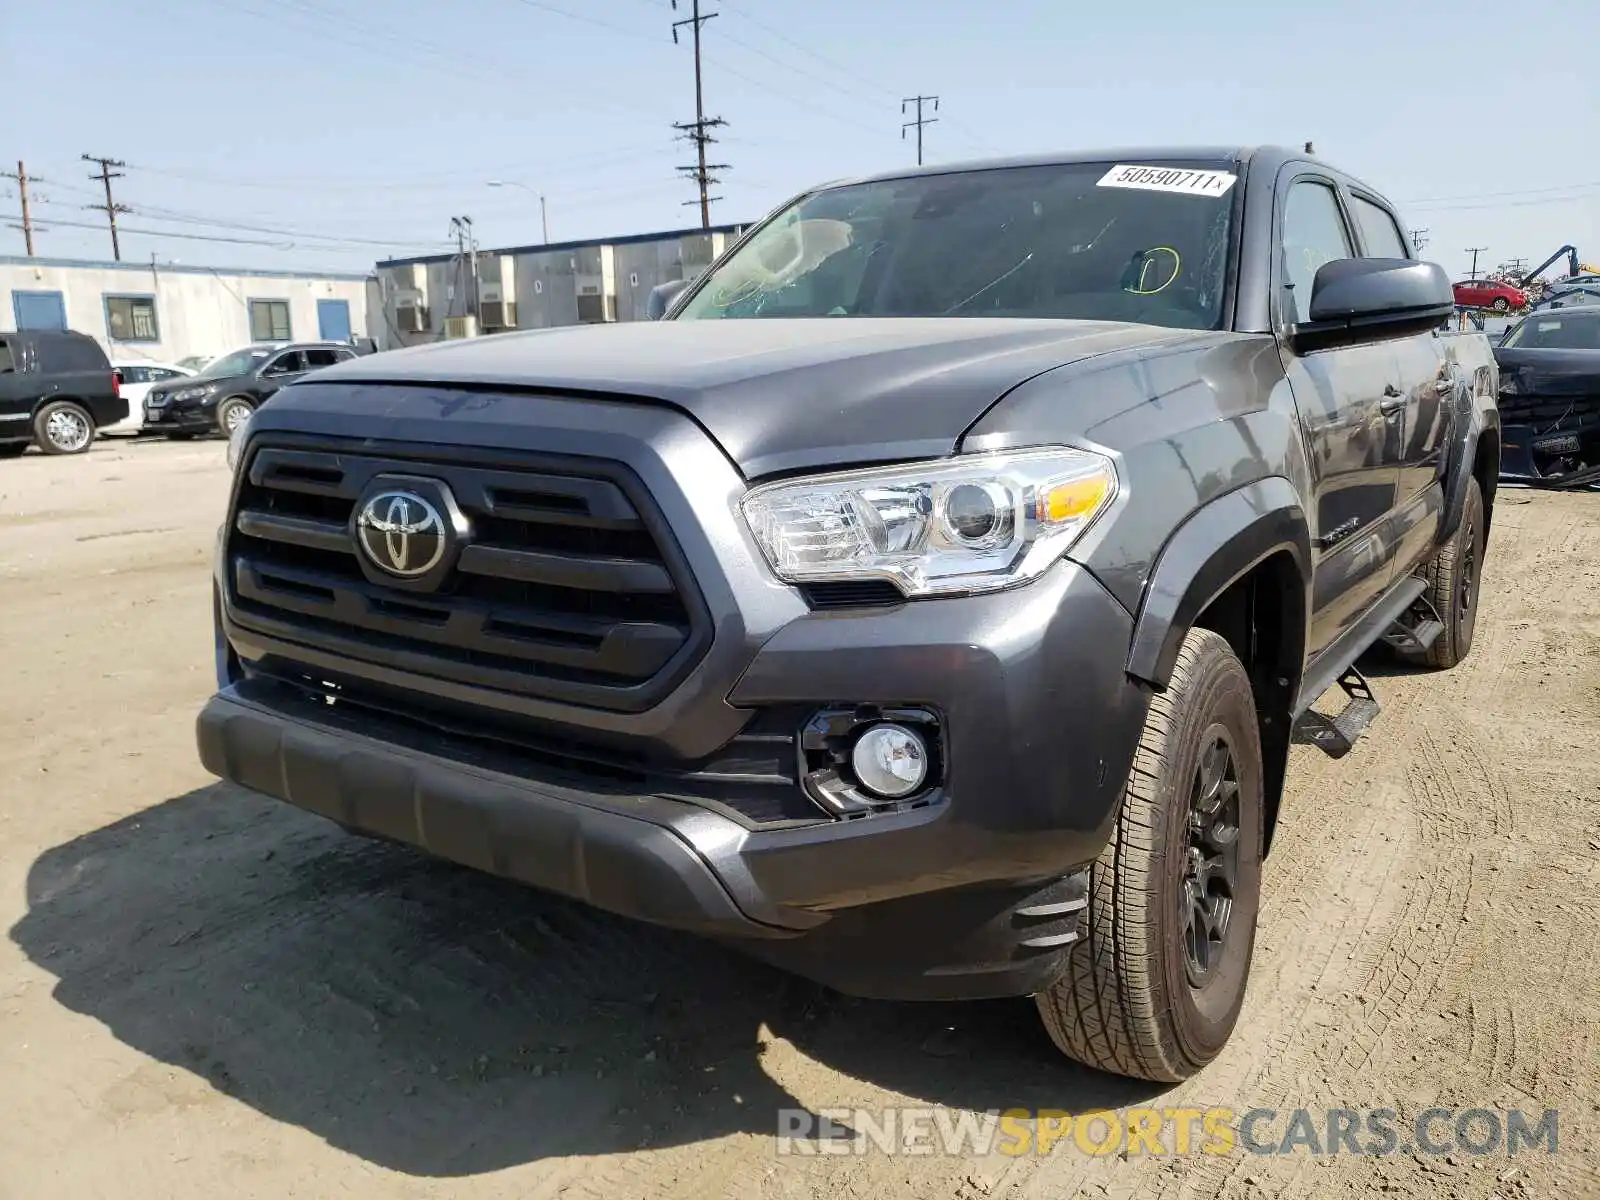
x: 1501, y: 304
x: 1155, y: 989
x: 63, y: 427
x: 1453, y: 581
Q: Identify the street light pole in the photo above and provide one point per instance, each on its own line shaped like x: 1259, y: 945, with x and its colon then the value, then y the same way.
x: 544, y: 217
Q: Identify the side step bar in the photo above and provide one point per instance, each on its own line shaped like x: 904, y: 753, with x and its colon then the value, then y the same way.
x: 1335, y: 736
x: 1416, y: 629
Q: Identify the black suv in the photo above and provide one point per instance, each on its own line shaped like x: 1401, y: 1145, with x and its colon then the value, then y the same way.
x: 56, y: 388
x: 219, y: 398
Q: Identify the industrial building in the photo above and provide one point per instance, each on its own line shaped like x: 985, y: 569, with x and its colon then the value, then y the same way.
x: 535, y: 287
x: 166, y: 312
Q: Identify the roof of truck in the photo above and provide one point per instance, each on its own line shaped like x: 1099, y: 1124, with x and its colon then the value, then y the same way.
x: 1266, y: 155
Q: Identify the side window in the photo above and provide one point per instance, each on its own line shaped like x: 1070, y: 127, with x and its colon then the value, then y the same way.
x: 158, y: 374
x: 132, y: 374
x: 1313, y: 234
x: 288, y: 363
x: 1378, y: 230
x: 269, y: 321
x: 320, y: 358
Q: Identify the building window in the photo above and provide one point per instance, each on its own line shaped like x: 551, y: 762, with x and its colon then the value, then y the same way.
x: 269, y: 321
x: 132, y: 319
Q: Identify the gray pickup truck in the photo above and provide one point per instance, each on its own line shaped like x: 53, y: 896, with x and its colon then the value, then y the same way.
x: 926, y: 604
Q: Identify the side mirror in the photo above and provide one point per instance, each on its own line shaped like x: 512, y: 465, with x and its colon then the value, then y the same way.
x: 662, y: 296
x: 1369, y: 299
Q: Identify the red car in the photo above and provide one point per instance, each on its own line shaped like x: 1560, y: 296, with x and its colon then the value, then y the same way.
x: 1490, y: 293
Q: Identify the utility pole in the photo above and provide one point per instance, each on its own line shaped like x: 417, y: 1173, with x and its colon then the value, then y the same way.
x: 1475, y: 251
x: 111, y: 208
x: 697, y: 130
x: 919, y: 122
x: 467, y: 245
x: 22, y: 186
x: 1419, y: 239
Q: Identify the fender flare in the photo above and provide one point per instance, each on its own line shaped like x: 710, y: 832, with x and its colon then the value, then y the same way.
x: 1463, y: 455
x: 1217, y: 545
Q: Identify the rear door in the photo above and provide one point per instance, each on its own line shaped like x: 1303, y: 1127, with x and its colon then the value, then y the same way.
x: 1426, y: 422
x: 1341, y: 394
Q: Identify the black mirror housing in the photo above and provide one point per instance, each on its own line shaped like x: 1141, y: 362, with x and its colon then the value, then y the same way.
x: 662, y: 296
x: 1369, y: 299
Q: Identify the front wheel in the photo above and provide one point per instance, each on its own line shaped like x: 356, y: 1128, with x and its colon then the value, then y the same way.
x: 63, y: 427
x: 1501, y: 304
x: 232, y: 413
x: 1155, y: 988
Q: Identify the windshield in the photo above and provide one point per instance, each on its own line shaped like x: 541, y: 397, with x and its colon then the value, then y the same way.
x: 1147, y: 243
x: 237, y: 363
x: 1573, y: 331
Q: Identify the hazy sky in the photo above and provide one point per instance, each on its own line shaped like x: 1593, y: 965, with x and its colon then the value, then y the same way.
x: 371, y: 124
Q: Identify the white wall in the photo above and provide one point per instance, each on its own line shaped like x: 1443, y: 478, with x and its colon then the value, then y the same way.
x: 197, y: 311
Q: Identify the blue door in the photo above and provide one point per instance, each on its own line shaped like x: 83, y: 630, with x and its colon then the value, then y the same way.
x: 333, y: 320
x: 39, y: 310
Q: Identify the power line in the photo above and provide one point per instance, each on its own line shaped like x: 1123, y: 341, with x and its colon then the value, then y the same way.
x: 1565, y: 187
x: 111, y: 208
x: 697, y: 131
x: 920, y: 121
x: 21, y: 178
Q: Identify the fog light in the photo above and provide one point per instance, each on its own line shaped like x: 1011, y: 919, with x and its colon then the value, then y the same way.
x: 890, y: 761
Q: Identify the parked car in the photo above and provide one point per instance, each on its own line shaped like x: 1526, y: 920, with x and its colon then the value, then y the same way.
x: 1490, y: 293
x: 1550, y: 397
x: 135, y: 379
x: 223, y: 395
x: 925, y: 604
x: 56, y: 388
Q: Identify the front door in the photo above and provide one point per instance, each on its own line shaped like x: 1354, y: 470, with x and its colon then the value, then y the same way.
x: 39, y: 310
x: 1343, y: 395
x: 333, y: 320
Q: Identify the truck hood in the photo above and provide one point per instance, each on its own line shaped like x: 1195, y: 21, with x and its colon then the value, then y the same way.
x: 777, y: 395
x: 1541, y: 372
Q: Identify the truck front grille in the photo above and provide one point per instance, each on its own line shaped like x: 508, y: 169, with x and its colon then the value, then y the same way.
x: 571, y: 588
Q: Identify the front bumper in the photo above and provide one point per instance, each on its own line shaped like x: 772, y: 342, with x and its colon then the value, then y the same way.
x: 973, y: 895
x: 975, y: 891
x: 189, y: 416
x: 1540, y: 456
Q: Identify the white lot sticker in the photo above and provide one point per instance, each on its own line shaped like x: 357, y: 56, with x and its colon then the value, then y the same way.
x: 1168, y: 179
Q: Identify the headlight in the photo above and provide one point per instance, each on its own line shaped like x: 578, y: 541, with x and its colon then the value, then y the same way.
x: 192, y: 393
x: 236, y: 441
x: 967, y: 524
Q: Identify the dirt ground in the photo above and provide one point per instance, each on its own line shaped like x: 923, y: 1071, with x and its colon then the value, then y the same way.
x: 207, y: 994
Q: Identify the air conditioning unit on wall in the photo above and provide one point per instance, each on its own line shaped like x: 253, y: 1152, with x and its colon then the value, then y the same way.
x: 460, y: 327
x: 498, y: 314
x: 411, y: 318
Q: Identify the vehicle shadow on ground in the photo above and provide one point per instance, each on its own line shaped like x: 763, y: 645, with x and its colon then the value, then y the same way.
x: 440, y: 1022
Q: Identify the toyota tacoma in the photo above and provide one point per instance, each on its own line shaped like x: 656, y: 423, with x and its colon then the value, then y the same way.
x: 926, y: 603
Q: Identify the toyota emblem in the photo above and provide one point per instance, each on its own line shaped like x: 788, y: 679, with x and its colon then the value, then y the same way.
x: 401, y: 533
